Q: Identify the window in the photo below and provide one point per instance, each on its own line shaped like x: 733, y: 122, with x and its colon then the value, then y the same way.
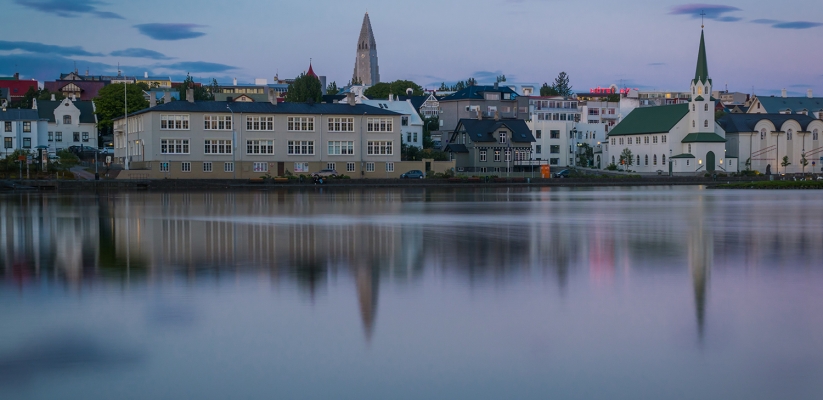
x: 646, y: 140
x: 51, y: 136
x: 789, y: 134
x: 415, y: 137
x: 508, y: 155
x: 687, y: 162
x: 217, y: 146
x: 663, y: 138
x: 369, y: 167
x: 554, y: 161
x: 301, y: 147
x: 404, y: 121
x: 694, y: 124
x: 538, y: 134
x: 482, y: 155
x: 705, y: 107
x: 301, y: 124
x: 655, y: 159
x: 350, y: 167
x: 638, y: 159
x: 380, y: 147
x: 337, y: 148
x: 538, y: 149
x: 389, y: 167
x: 259, y: 147
x: 206, y: 167
x: 690, y: 148
x: 706, y: 123
x: 693, y: 108
x: 554, y: 134
x: 763, y: 134
x: 85, y: 136
x: 7, y: 127
x: 814, y: 135
x: 26, y: 143
x: 67, y: 119
x: 76, y: 136
x: 341, y: 124
x: 647, y: 159
x: 379, y: 125
x: 621, y: 141
x: 408, y: 136
x: 630, y: 140
x: 613, y: 141
x: 228, y: 167
x: 185, y: 167
x: 664, y: 159
x: 301, y: 167
x: 174, y: 122
x: 259, y: 123
x: 164, y: 167
x: 261, y: 167
x: 58, y: 136
x: 502, y: 137
x: 554, y: 149
x: 497, y: 156
x: 217, y: 122
x: 331, y: 165
x: 174, y: 146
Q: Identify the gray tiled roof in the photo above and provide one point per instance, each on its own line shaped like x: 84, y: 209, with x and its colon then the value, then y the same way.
x: 46, y: 110
x: 267, y: 108
x: 482, y: 130
x: 737, y: 123
x: 19, y: 114
x: 476, y: 93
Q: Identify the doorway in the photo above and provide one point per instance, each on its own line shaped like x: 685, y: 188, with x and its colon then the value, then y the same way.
x: 710, y: 161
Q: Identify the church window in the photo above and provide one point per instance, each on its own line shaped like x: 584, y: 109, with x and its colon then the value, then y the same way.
x: 613, y: 141
x: 693, y: 108
x: 647, y: 159
x: 693, y: 90
x: 707, y: 90
x: 612, y: 159
x: 705, y: 107
x: 646, y: 140
x: 621, y: 141
x: 664, y: 139
x: 630, y: 140
x: 655, y: 159
x: 654, y: 139
x: 700, y: 90
x: 789, y: 134
x: 638, y: 159
x: 687, y: 162
x: 814, y: 135
x: 664, y: 159
x: 694, y: 125
x: 690, y: 148
x: 67, y: 119
x: 706, y: 123
x: 763, y: 134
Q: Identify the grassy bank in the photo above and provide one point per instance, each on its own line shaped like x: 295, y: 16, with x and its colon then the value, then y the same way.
x: 772, y: 185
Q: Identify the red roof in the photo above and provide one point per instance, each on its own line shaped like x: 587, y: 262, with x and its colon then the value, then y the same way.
x: 311, y: 71
x: 17, y: 88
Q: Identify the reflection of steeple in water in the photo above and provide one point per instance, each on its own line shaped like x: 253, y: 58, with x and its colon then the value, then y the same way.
x: 368, y: 281
x: 701, y: 258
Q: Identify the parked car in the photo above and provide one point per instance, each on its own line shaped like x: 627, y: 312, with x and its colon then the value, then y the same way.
x: 107, y: 150
x: 563, y: 174
x: 413, y: 174
x: 325, y: 173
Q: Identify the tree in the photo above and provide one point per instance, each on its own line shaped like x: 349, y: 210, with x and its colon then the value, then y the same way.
x: 719, y: 114
x: 109, y: 103
x: 547, y: 90
x: 332, y: 88
x: 561, y: 84
x: 626, y: 158
x: 443, y: 87
x: 67, y: 159
x: 586, y: 157
x: 785, y: 163
x: 613, y: 98
x: 378, y: 91
x: 213, y: 88
x: 429, y: 124
x: 304, y: 88
x: 40, y: 95
x: 382, y: 90
x: 471, y: 82
x: 201, y: 93
x: 749, y: 164
x: 501, y: 78
x: 804, y: 162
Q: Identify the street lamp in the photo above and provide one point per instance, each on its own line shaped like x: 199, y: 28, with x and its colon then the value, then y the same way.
x: 574, y: 147
x: 233, y: 143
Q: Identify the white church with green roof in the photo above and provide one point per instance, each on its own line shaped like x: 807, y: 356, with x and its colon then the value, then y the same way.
x: 681, y: 139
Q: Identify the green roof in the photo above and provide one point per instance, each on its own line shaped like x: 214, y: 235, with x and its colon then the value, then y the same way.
x: 699, y: 98
x: 701, y: 73
x: 684, y: 155
x: 703, y: 137
x: 644, y: 120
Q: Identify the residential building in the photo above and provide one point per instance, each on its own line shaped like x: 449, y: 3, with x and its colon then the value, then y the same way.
x: 682, y: 138
x: 20, y: 129
x: 491, y: 146
x: 84, y: 87
x: 809, y: 105
x: 366, y: 69
x: 490, y: 101
x: 218, y: 139
x: 70, y: 123
x: 760, y: 141
x: 731, y: 98
x: 17, y: 87
x: 560, y: 132
x: 155, y: 81
x: 411, y: 124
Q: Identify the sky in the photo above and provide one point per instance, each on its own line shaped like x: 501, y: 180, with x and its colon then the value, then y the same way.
x: 754, y: 45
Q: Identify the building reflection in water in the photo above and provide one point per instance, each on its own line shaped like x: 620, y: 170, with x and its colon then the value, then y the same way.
x: 306, y: 238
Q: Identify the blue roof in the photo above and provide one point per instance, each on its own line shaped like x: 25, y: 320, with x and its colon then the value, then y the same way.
x: 736, y: 123
x: 266, y: 108
x: 482, y: 130
x: 19, y: 114
x: 774, y: 105
x: 476, y: 93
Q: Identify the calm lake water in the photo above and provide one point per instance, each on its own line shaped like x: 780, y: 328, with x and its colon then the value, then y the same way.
x: 618, y: 293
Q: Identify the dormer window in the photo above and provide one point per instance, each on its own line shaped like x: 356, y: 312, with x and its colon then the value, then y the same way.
x: 502, y: 137
x: 67, y: 120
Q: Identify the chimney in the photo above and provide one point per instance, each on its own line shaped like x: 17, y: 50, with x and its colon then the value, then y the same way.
x: 52, y: 97
x: 496, y: 115
x: 17, y: 76
x: 190, y: 95
x: 809, y: 94
x: 152, y: 99
x: 234, y: 82
x: 479, y: 114
x: 146, y: 75
x: 272, y: 97
x: 350, y: 99
x: 33, y: 104
x: 783, y: 93
x: 166, y: 97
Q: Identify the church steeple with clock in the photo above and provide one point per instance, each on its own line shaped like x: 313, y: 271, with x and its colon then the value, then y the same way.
x: 366, y: 70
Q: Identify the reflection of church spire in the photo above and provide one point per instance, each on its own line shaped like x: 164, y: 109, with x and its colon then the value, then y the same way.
x: 701, y: 258
x: 368, y: 281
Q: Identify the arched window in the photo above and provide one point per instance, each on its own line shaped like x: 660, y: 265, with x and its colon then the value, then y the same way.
x: 707, y: 91
x: 638, y: 159
x: 612, y: 159
x: 814, y: 135
x: 655, y: 159
x: 789, y: 134
x: 706, y: 123
x: 763, y: 134
x: 694, y: 125
x: 706, y: 107
x: 67, y: 119
x: 700, y: 90
x: 693, y: 108
x: 664, y: 159
x: 647, y: 159
x: 693, y: 90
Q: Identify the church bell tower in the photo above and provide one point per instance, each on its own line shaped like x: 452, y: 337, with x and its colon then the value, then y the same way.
x: 366, y: 71
x: 701, y: 106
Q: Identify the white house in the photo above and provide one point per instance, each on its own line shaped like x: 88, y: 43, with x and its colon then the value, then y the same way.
x: 70, y: 123
x: 411, y: 125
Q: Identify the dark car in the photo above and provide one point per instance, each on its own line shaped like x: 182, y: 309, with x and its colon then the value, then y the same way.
x: 325, y: 173
x: 563, y: 174
x: 413, y: 174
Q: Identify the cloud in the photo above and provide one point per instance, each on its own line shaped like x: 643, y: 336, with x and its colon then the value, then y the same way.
x: 713, y: 11
x: 198, y: 67
x: 34, y: 47
x: 48, y: 67
x: 140, y: 53
x: 797, y: 25
x: 656, y: 64
x: 765, y: 21
x: 158, y: 31
x: 69, y: 9
x: 491, y: 76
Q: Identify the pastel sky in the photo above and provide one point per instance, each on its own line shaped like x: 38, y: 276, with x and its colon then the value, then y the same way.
x: 650, y: 44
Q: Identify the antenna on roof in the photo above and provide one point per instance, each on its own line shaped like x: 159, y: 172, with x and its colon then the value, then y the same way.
x: 702, y: 19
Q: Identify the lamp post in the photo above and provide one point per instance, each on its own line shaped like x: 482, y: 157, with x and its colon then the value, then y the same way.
x: 574, y: 146
x: 126, y: 117
x: 233, y: 143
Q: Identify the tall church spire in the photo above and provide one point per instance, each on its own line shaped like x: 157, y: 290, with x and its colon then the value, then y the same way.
x: 366, y: 70
x: 701, y: 74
